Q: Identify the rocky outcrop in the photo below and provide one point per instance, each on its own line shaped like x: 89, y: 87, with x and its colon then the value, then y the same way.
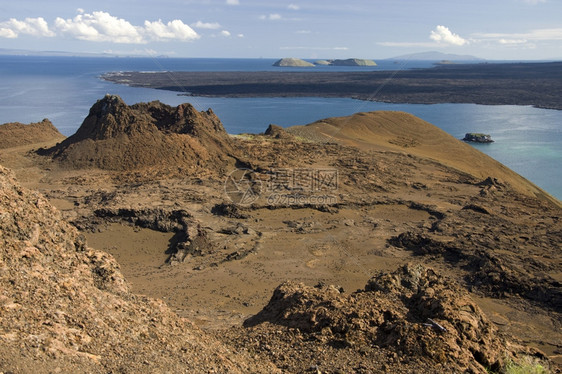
x: 65, y: 307
x: 497, y: 275
x: 116, y: 136
x: 346, y: 62
x: 292, y: 62
x: 412, y: 311
x: 278, y: 132
x: 15, y: 134
x: 353, y: 62
x: 477, y: 138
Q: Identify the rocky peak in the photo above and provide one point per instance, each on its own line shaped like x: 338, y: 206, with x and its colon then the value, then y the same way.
x: 110, y: 103
x: 107, y: 118
x: 117, y: 136
x: 190, y: 121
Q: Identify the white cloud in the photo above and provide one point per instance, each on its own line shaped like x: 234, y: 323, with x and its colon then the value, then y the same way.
x: 206, y: 25
x: 225, y: 33
x: 545, y: 34
x: 407, y: 44
x: 232, y: 2
x: 512, y: 41
x: 132, y: 52
x: 534, y: 2
x: 314, y: 48
x: 442, y: 34
x: 173, y: 30
x: 293, y: 7
x: 100, y: 27
x: 29, y: 26
x: 240, y: 35
x: 271, y: 17
x: 7, y: 33
x: 537, y: 35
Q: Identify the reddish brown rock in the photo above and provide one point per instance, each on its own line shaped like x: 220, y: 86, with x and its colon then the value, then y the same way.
x: 412, y: 311
x: 116, y: 136
x: 67, y: 308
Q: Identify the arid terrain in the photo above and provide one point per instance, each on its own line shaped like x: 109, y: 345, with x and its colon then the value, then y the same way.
x: 153, y: 241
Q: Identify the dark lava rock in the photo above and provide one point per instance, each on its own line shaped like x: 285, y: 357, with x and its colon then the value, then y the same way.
x: 477, y: 138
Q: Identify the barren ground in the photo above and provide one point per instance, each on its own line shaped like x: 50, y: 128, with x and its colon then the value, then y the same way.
x: 398, y: 202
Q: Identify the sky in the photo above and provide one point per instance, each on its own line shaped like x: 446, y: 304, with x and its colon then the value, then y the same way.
x: 310, y: 29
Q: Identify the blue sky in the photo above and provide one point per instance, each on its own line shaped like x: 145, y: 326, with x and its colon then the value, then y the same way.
x: 492, y: 29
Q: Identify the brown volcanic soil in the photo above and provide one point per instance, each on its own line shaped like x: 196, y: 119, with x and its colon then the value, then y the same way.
x: 492, y: 241
x: 403, y: 132
x: 537, y: 84
x: 410, y: 312
x: 67, y: 308
x: 16, y: 134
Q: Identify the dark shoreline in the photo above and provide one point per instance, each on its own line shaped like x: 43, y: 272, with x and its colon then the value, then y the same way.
x: 535, y: 84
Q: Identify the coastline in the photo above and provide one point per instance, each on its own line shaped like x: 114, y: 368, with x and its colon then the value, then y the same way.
x: 528, y: 139
x: 533, y: 84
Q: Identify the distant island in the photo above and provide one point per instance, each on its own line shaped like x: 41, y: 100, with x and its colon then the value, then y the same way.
x: 352, y: 62
x: 297, y: 62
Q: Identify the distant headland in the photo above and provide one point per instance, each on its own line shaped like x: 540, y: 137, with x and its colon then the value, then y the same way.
x: 536, y: 84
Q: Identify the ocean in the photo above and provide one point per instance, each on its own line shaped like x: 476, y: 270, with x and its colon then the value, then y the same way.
x: 62, y: 89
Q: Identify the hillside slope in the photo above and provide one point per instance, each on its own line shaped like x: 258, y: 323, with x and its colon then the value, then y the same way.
x: 16, y: 134
x: 464, y: 269
x: 67, y: 308
x: 404, y: 132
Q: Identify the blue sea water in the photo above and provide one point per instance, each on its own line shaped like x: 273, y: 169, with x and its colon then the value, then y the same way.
x: 62, y: 89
